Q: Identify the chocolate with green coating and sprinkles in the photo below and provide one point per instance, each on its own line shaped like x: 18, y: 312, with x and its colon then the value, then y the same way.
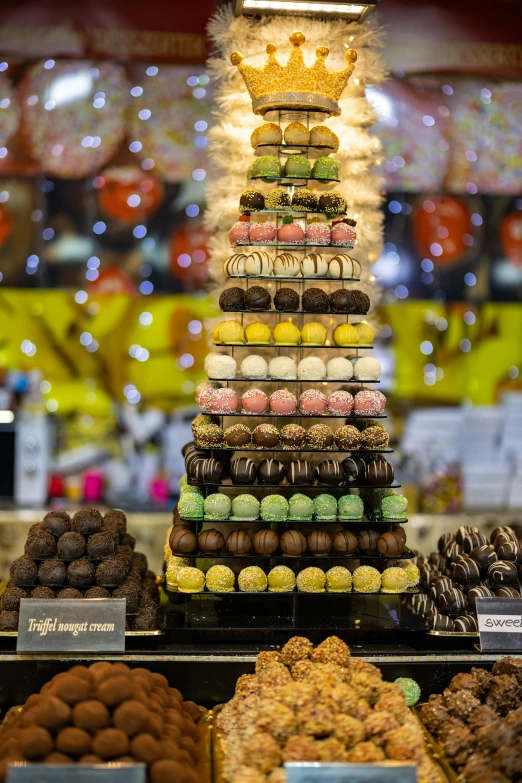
x: 300, y: 507
x: 217, y: 506
x: 274, y: 508
x: 191, y: 507
x: 394, y: 507
x: 350, y: 507
x: 325, y: 168
x: 245, y: 507
x: 325, y: 507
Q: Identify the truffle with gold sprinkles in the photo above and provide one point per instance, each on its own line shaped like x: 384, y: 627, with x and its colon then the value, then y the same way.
x: 190, y: 580
x: 269, y: 133
x: 252, y: 580
x: 281, y: 579
x: 338, y: 580
x: 412, y: 572
x: 278, y: 198
x: 311, y: 580
x: 394, y: 580
x: 366, y: 579
x: 173, y: 566
x: 220, y: 579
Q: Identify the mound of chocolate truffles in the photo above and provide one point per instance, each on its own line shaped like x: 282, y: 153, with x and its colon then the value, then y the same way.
x: 257, y: 298
x: 286, y: 300
x: 232, y: 299
x: 315, y: 300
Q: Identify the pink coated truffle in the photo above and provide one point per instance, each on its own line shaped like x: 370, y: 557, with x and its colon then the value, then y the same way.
x: 222, y: 401
x: 340, y: 403
x: 282, y: 402
x: 380, y: 396
x: 262, y: 232
x: 254, y: 401
x: 318, y: 234
x: 204, y: 398
x: 312, y: 402
x: 343, y: 235
x: 290, y: 234
x: 238, y: 234
x: 367, y: 403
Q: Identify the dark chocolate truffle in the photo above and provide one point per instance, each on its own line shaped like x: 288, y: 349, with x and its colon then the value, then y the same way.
x: 300, y: 472
x: 345, y: 543
x: 266, y: 542
x: 11, y: 597
x: 146, y: 619
x: 479, y: 592
x: 466, y: 572
x: 41, y: 545
x: 236, y: 436
x: 483, y: 556
x: 131, y: 593
x: 332, y: 203
x: 57, y: 523
x: 52, y: 572
x: 354, y: 469
x: 97, y: 592
x: 110, y: 572
x: 472, y: 541
x: 305, y: 200
x: 42, y: 592
x: 257, y: 298
x: 345, y: 300
x: 9, y: 621
x: 23, y: 571
x: 209, y: 471
x: 116, y: 519
x: 210, y: 541
x: 319, y: 543
x: 292, y: 436
x: 502, y: 573
x: 465, y: 624
x: 452, y: 601
x: 232, y: 299
x: 265, y: 436
x: 242, y: 471
x: 238, y: 543
x: 270, y: 471
x: 293, y: 543
x: 69, y: 593
x: 507, y: 531
x: 510, y: 551
x: 390, y: 543
x: 100, y: 544
x: 87, y: 521
x: 441, y: 622
x: 71, y: 546
x: 251, y: 200
x: 443, y: 541
x: 319, y: 437
x: 286, y: 300
x: 80, y: 573
x: 329, y: 472
x: 507, y: 592
x: 463, y: 531
x: 315, y: 300
x: 182, y: 541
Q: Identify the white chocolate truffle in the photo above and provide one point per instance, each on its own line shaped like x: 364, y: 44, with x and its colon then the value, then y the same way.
x: 344, y: 266
x: 311, y: 369
x: 320, y: 134
x: 283, y: 368
x: 314, y: 265
x: 296, y: 133
x: 254, y: 366
x: 259, y: 263
x: 367, y: 369
x: 286, y: 265
x: 234, y: 266
x: 220, y: 366
x: 339, y: 369
x: 269, y: 133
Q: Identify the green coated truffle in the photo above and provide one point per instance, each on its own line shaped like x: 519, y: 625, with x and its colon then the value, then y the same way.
x: 325, y: 507
x: 183, y: 481
x: 412, y: 691
x: 245, y: 508
x: 326, y: 168
x: 300, y: 507
x: 274, y: 508
x: 189, y: 489
x: 266, y: 166
x: 190, y: 507
x: 394, y: 507
x: 350, y: 507
x: 217, y: 506
x: 297, y: 166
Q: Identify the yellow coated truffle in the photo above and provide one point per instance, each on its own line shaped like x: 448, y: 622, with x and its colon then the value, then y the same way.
x: 220, y: 579
x: 366, y: 333
x: 313, y: 333
x: 252, y: 580
x: 258, y: 333
x: 311, y: 580
x: 286, y: 333
x: 394, y: 580
x: 190, y: 580
x: 346, y: 334
x: 281, y: 579
x: 366, y: 579
x: 338, y: 580
x: 229, y: 332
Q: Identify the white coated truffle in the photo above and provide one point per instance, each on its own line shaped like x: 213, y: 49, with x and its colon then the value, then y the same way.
x: 311, y: 369
x: 220, y: 366
x: 283, y: 368
x: 254, y: 366
x: 367, y: 369
x: 314, y: 265
x: 339, y: 369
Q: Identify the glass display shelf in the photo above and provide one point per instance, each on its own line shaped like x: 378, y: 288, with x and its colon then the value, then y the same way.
x: 289, y: 559
x: 279, y: 450
x: 291, y: 312
x: 287, y: 180
x: 299, y: 380
x: 296, y: 278
x: 293, y: 345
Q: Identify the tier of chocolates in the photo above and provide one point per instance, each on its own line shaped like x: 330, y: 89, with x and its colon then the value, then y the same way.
x: 287, y: 266
x: 84, y: 556
x: 315, y: 301
x: 312, y: 334
x: 467, y: 566
x: 222, y: 401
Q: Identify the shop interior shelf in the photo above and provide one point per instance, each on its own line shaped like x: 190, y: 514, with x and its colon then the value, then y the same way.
x: 296, y: 380
x: 296, y: 451
x: 296, y: 487
x: 293, y: 345
x: 296, y: 278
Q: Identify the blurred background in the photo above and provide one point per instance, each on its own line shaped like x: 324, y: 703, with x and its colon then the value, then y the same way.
x: 104, y: 111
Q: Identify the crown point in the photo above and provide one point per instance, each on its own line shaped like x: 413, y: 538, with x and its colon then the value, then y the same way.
x: 350, y: 55
x: 236, y: 58
x: 322, y: 51
x: 271, y: 48
x: 297, y: 38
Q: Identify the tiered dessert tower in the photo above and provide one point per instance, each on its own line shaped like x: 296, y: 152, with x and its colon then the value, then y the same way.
x: 365, y: 542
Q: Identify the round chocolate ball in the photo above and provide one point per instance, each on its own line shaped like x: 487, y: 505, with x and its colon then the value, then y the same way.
x: 390, y: 543
x: 472, y: 541
x: 100, y: 544
x: 237, y: 435
x: 270, y: 471
x: 97, y: 592
x: 379, y: 472
x: 11, y: 597
x: 9, y: 621
x: 80, y: 573
x: 182, y: 541
x: 286, y: 300
x: 52, y: 572
x: 210, y: 541
x: 452, y: 601
x: 354, y: 469
x: 329, y: 472
x: 510, y: 551
x: 41, y: 545
x: 266, y: 542
x: 238, y: 543
x: 507, y: 592
x: 507, y: 531
x: 251, y: 201
x: 502, y: 573
x: 292, y: 436
x: 257, y: 298
x: 443, y: 541
x: 208, y: 471
x: 265, y: 436
x: 69, y: 593
x: 110, y: 572
x: 242, y: 471
x: 292, y: 543
x: 232, y: 299
x: 479, y: 592
x: 345, y: 543
x: 57, y: 523
x: 300, y: 472
x: 23, y: 571
x: 42, y: 592
x: 87, y: 521
x: 367, y: 540
x: 315, y: 300
x: 483, y: 556
x: 71, y: 546
x: 319, y: 543
x: 466, y: 572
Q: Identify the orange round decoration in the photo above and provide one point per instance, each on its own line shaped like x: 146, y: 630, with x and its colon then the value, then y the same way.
x: 6, y: 224
x: 511, y: 236
x: 129, y: 194
x: 188, y: 253
x: 441, y: 225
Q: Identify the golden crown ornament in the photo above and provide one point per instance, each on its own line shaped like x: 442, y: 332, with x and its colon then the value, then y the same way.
x: 294, y: 86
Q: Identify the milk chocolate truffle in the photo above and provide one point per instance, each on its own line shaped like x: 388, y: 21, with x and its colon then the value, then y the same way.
x: 292, y: 436
x: 97, y: 592
x: 266, y: 542
x: 40, y: 544
x: 210, y: 541
x: 57, y: 523
x: 286, y: 300
x: 80, y: 573
x: 300, y: 472
x: 236, y: 436
x: 257, y: 298
x: 345, y: 543
x: 93, y: 716
x: 329, y: 472
x: 265, y: 436
x: 23, y: 571
x: 100, y: 544
x: 238, y: 543
x: 270, y: 471
x: 319, y: 543
x: 182, y: 541
x: 315, y: 300
x: 390, y: 543
x: 110, y: 572
x: 131, y: 717
x: 69, y: 593
x: 367, y: 540
x: 70, y: 546
x: 292, y: 543
x: 232, y: 299
x: 52, y: 572
x: 242, y: 471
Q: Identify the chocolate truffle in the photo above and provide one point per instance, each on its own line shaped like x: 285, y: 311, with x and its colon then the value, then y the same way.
x: 146, y: 619
x: 270, y: 471
x: 265, y: 436
x: 354, y: 469
x: 463, y: 531
x: 507, y: 592
x: 232, y: 299
x: 345, y: 543
x: 320, y: 437
x: 242, y: 471
x: 472, y: 541
x: 479, y: 592
x: 257, y: 298
x: 57, y: 523
x: 348, y: 437
x: 80, y: 573
x: 319, y: 543
x: 466, y: 572
x: 251, y: 201
x: 51, y: 572
x: 236, y: 436
x: 292, y: 543
x: 182, y: 541
x: 70, y: 546
x: 23, y: 571
x: 9, y: 621
x: 291, y: 437
x: 507, y: 531
x: 97, y: 592
x: 374, y: 438
x: 100, y: 544
x: 210, y: 541
x: 452, y: 601
x: 116, y: 518
x: 305, y: 200
x: 502, y: 573
x: 238, y: 543
x: 345, y: 300
x: 379, y: 472
x: 300, y: 472
x: 315, y: 300
x: 87, y: 521
x: 483, y: 556
x: 367, y: 540
x: 69, y: 593
x: 329, y: 472
x: 209, y: 471
x: 11, y: 597
x: 266, y: 542
x: 110, y: 572
x: 332, y: 203
x: 42, y: 592
x: 41, y: 545
x: 286, y: 300
x: 390, y: 543
x: 131, y: 592
x: 510, y: 551
x: 93, y: 715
